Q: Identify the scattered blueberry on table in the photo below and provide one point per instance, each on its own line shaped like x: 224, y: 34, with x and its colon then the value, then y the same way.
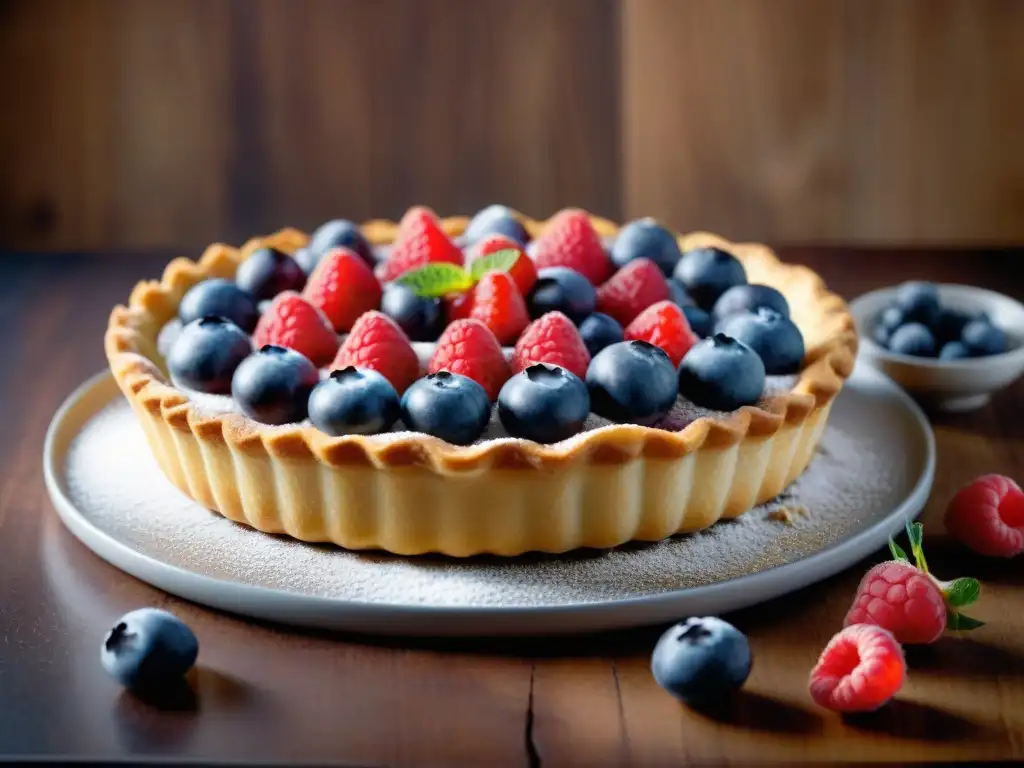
x: 917, y: 324
x: 702, y: 660
x: 149, y: 648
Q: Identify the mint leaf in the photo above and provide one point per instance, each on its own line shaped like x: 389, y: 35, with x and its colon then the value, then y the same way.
x: 897, y: 551
x: 499, y: 261
x: 961, y: 592
x: 432, y: 281
x: 957, y: 622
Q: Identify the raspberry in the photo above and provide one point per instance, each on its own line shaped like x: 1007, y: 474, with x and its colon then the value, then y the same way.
x: 343, y: 287
x: 458, y: 306
x: 553, y: 339
x: 291, y: 321
x: 664, y: 325
x: 376, y: 342
x: 631, y: 290
x: 988, y: 516
x: 908, y: 601
x: 468, y: 348
x: 860, y: 669
x: 420, y: 241
x: 497, y: 303
x: 523, y: 272
x: 570, y: 241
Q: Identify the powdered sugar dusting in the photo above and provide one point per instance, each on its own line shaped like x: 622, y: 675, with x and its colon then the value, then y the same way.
x: 869, y: 459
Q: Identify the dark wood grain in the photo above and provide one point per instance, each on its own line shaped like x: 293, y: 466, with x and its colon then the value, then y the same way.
x: 268, y: 693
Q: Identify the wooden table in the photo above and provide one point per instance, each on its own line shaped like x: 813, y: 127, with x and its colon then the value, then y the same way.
x: 270, y: 693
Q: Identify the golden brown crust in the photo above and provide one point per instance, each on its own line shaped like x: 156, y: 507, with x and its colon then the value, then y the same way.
x: 823, y: 317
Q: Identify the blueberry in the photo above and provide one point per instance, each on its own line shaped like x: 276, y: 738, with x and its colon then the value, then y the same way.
x: 913, y: 339
x: 422, y: 319
x: 353, y: 401
x: 919, y: 302
x: 699, y: 320
x: 221, y: 298
x: 953, y: 350
x: 747, y: 298
x: 633, y: 382
x: 307, y: 259
x: 774, y: 337
x: 149, y: 649
x: 950, y: 325
x: 268, y: 272
x: 564, y: 290
x: 982, y: 338
x: 678, y: 294
x: 495, y: 220
x: 544, y: 403
x: 707, y: 273
x: 702, y: 660
x: 721, y: 373
x: 341, y: 233
x: 206, y: 353
x: 447, y: 405
x: 890, y: 319
x: 600, y: 331
x: 273, y: 385
x: 646, y: 239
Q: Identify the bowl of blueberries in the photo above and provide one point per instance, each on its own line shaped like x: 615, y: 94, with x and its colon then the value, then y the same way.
x: 950, y: 346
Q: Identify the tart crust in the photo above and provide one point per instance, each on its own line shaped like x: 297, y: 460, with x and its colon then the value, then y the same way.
x: 417, y: 494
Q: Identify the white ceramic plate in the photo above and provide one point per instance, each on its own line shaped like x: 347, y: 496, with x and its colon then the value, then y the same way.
x: 873, y: 472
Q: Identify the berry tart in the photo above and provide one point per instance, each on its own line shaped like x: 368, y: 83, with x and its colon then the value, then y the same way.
x: 488, y: 385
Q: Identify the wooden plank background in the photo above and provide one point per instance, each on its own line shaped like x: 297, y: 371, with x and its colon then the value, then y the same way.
x: 141, y: 124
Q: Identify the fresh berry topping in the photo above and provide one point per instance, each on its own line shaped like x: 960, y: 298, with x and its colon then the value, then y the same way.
x: 721, y: 373
x: 291, y: 321
x: 919, y: 302
x: 773, y: 336
x: 953, y: 350
x: 631, y: 290
x: 421, y: 318
x: 646, y: 239
x: 273, y: 385
x: 599, y: 331
x: 569, y: 240
x: 268, y: 272
x: 912, y: 339
x: 699, y: 320
x: 982, y: 338
x: 702, y: 660
x: 560, y: 289
x: 376, y: 342
x: 420, y: 241
x: 457, y: 306
x: 860, y: 669
x: 523, y: 271
x: 707, y: 273
x: 677, y: 293
x: 553, y: 339
x: 470, y: 349
x: 149, y: 650
x: 950, y: 326
x: 307, y: 259
x: 988, y: 516
x: 890, y: 319
x: 343, y: 287
x: 632, y: 382
x: 498, y: 304
x: 341, y: 233
x: 749, y: 298
x: 206, y: 353
x: 218, y: 297
x: 353, y: 401
x: 495, y: 220
x: 664, y: 325
x: 446, y: 405
x: 908, y: 601
x: 544, y: 403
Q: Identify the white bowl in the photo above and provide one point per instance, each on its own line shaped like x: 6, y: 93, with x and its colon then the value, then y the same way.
x: 947, y: 385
